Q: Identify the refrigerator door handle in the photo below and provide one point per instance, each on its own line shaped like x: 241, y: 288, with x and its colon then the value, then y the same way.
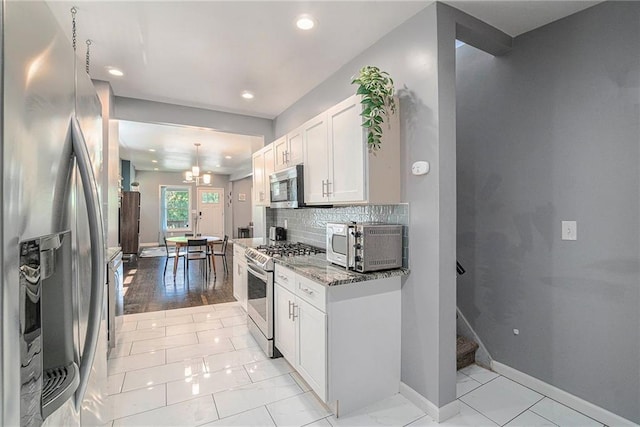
x: 90, y: 189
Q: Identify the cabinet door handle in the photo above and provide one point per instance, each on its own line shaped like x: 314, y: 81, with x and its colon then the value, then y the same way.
x: 284, y: 159
x: 328, y: 192
x: 290, y: 311
x: 288, y: 159
x: 323, y: 194
x: 307, y: 291
x: 294, y: 306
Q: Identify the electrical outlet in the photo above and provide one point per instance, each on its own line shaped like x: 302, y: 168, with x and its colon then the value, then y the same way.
x: 285, y: 224
x: 569, y: 230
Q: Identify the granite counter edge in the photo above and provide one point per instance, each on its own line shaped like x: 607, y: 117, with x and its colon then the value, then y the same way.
x: 355, y: 277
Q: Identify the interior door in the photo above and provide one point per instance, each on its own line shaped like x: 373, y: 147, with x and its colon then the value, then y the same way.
x: 211, y: 211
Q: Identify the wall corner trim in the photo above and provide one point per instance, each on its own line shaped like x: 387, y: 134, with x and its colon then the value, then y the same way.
x: 439, y: 414
x: 574, y: 402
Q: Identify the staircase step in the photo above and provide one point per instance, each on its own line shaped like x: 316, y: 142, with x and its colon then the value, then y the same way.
x: 465, y: 352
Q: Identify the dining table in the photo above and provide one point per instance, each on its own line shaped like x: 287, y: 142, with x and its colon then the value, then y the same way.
x: 181, y: 241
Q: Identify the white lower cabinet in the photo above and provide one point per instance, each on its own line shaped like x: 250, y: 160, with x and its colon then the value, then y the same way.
x: 240, y: 276
x: 284, y: 326
x: 311, y: 349
x: 343, y: 340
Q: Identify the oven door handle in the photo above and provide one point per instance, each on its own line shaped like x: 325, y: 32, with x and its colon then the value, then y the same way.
x: 257, y: 272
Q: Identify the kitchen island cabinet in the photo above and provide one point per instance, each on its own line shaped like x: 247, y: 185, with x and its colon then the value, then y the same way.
x: 344, y: 340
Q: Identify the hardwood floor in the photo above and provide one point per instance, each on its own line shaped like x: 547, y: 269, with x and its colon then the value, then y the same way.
x: 147, y: 289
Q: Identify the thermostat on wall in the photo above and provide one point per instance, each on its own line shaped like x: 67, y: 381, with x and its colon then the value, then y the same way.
x: 420, y: 168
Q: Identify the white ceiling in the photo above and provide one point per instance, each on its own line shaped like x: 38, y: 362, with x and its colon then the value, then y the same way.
x: 174, y: 150
x: 205, y: 53
x: 516, y: 17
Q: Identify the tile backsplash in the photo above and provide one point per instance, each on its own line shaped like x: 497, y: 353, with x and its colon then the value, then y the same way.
x: 308, y: 225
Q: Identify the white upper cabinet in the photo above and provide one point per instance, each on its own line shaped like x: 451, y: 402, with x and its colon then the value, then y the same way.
x: 337, y: 164
x: 316, y: 159
x: 263, y: 167
x: 280, y: 153
x: 294, y: 154
x: 347, y: 147
x: 288, y: 150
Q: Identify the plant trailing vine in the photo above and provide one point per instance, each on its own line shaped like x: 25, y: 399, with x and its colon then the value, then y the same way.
x: 377, y: 90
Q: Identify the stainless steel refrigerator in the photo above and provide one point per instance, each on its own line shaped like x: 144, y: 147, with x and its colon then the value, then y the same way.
x: 53, y: 333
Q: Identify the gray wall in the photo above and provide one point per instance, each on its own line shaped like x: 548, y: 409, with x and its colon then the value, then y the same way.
x: 140, y: 110
x: 150, y: 183
x: 309, y: 225
x: 110, y: 164
x: 127, y: 173
x: 420, y: 56
x: 241, y: 210
x: 545, y: 134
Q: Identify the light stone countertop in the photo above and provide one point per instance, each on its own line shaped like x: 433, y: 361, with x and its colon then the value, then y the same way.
x: 317, y: 268
x: 111, y: 253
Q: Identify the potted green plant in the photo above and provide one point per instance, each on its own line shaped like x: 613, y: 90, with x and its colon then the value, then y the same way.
x: 377, y: 90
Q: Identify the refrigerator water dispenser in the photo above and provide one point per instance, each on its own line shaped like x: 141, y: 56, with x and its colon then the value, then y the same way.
x: 48, y: 372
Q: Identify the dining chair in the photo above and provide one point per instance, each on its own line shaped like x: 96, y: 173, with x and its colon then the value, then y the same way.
x: 195, y: 252
x: 171, y: 255
x: 223, y: 253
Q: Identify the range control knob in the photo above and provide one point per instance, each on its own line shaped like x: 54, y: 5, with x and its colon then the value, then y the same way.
x: 357, y: 246
x: 358, y: 259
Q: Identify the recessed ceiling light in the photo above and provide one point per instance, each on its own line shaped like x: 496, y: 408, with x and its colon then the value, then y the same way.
x: 217, y: 166
x: 154, y: 161
x: 305, y: 22
x: 155, y: 169
x: 247, y: 95
x: 153, y: 150
x: 227, y: 157
x: 115, y: 72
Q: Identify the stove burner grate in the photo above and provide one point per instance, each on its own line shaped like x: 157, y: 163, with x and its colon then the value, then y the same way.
x: 278, y: 250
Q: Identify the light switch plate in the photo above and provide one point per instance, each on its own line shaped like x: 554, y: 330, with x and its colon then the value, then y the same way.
x: 569, y: 230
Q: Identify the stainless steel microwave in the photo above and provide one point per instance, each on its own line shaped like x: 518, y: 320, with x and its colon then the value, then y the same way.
x: 287, y: 188
x: 365, y: 247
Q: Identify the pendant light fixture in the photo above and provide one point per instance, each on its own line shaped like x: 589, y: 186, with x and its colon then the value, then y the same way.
x: 193, y: 175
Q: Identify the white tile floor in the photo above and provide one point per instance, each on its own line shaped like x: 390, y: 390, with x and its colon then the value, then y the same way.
x: 200, y: 367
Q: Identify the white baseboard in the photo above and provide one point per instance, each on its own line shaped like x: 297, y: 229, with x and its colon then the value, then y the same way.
x: 149, y: 244
x: 439, y: 414
x: 574, y: 402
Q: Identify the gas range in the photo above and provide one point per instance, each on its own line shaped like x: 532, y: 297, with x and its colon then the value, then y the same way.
x: 263, y: 255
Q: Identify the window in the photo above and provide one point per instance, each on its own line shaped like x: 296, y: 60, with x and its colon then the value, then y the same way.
x: 175, y: 208
x: 210, y: 197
